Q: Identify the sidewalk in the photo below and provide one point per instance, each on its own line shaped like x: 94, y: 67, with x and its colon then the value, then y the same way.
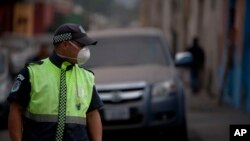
x: 207, y: 121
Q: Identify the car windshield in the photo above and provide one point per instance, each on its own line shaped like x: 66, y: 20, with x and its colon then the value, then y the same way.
x: 127, y: 51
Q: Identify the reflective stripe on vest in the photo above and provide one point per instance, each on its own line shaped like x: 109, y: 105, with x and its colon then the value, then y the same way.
x: 53, y: 118
x: 44, y: 96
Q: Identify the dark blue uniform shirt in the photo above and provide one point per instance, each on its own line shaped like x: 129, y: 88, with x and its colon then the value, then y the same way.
x: 46, y: 131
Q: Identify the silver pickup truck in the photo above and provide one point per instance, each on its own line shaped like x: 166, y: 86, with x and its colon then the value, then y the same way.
x: 138, y: 82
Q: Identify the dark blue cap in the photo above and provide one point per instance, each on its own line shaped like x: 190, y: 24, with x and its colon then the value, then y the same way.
x: 71, y: 31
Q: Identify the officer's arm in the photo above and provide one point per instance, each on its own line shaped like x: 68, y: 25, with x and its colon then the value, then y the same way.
x: 94, y: 125
x: 19, y: 98
x: 15, y: 121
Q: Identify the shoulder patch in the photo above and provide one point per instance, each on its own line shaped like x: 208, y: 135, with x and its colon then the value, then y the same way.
x: 16, y: 86
x: 21, y: 77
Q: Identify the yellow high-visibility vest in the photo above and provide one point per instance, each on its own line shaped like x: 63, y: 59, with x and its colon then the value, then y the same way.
x: 45, y: 89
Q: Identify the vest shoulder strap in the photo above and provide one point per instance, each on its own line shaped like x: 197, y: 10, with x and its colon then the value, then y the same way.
x: 34, y: 63
x: 89, y: 70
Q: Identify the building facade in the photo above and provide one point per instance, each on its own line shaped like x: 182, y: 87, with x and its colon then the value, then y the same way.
x: 221, y: 26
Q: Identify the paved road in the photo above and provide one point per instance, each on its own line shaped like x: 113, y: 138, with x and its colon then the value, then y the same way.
x: 206, y: 120
x: 4, y: 135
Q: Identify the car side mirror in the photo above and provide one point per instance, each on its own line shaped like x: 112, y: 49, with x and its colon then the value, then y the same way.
x: 183, y: 59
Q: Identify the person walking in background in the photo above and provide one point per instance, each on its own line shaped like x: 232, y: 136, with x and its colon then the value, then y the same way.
x: 43, y: 52
x: 197, y: 65
x: 55, y: 99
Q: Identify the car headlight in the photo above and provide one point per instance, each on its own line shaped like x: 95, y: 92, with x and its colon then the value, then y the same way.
x: 163, y: 88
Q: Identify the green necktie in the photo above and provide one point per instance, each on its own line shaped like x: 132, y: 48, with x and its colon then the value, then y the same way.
x: 62, y: 105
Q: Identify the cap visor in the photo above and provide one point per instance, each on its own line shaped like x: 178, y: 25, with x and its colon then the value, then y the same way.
x: 86, y: 41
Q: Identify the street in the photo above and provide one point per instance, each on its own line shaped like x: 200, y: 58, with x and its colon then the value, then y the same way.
x: 206, y: 120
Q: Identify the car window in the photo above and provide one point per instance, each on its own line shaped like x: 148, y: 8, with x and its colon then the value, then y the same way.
x: 127, y: 51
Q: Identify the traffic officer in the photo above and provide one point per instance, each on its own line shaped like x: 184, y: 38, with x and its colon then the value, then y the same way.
x: 55, y: 99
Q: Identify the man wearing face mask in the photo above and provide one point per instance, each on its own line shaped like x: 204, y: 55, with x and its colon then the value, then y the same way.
x: 55, y: 99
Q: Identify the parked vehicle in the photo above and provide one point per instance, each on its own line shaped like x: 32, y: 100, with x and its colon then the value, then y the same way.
x: 137, y: 81
x: 4, y: 87
x: 15, y: 50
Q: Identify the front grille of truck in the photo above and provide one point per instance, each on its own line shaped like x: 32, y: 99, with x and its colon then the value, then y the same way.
x: 118, y: 96
x: 123, y: 96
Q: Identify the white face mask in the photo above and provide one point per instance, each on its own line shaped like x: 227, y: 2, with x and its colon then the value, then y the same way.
x: 82, y: 56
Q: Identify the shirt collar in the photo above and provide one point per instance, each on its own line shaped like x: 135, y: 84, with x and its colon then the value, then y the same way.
x: 58, y: 61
